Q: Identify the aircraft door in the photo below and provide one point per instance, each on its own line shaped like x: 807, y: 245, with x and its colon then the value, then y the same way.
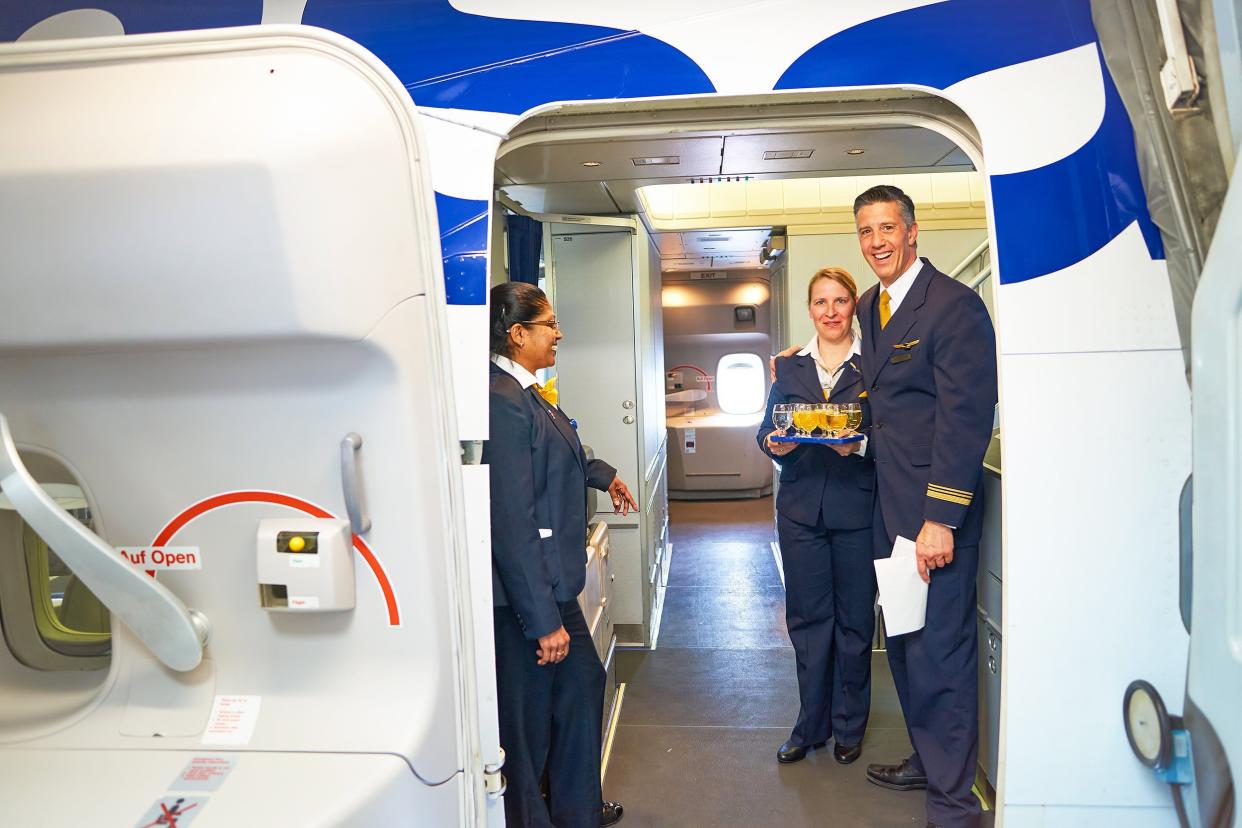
x: 1212, y: 714
x: 224, y: 268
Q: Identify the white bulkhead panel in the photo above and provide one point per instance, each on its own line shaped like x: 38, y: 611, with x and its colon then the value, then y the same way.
x: 221, y: 259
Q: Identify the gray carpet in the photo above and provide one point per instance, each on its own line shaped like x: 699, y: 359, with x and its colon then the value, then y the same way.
x: 705, y: 712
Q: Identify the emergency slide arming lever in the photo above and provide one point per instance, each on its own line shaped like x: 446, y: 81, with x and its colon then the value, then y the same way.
x: 175, y: 635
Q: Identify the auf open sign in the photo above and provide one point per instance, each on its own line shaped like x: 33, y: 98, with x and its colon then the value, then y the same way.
x: 163, y: 557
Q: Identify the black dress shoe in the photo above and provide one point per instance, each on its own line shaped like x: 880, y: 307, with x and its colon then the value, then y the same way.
x: 846, y: 753
x: 901, y: 777
x: 790, y: 753
x: 610, y: 813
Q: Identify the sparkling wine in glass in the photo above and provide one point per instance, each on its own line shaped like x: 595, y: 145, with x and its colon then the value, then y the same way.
x: 853, y: 415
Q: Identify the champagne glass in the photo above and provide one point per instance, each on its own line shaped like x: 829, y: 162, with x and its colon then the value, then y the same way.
x: 837, y: 419
x: 853, y: 414
x: 821, y: 417
x: 804, y: 419
x: 782, y: 417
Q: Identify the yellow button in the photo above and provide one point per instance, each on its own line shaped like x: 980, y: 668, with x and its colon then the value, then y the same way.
x: 297, y: 543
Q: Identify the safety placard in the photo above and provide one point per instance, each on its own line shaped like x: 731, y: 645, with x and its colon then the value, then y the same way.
x: 162, y: 558
x: 172, y: 812
x: 232, y: 720
x: 203, y: 773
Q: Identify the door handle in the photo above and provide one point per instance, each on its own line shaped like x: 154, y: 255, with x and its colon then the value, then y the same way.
x: 359, y: 523
x: 175, y: 634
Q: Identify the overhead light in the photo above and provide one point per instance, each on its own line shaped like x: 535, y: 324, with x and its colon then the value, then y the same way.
x: 782, y: 155
x: 855, y: 151
x: 713, y: 238
x: 590, y: 163
x: 657, y: 161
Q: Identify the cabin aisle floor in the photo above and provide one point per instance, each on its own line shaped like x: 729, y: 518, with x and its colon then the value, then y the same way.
x: 706, y: 710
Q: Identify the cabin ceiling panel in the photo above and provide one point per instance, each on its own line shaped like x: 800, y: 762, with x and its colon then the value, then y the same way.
x: 694, y: 263
x: 956, y: 158
x: 585, y: 197
x: 882, y: 149
x: 954, y: 197
x: 736, y: 261
x: 723, y: 242
x: 549, y: 163
x: 670, y: 245
x: 712, y: 249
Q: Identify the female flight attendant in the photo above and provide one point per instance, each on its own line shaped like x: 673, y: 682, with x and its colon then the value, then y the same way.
x: 823, y: 522
x: 549, y: 680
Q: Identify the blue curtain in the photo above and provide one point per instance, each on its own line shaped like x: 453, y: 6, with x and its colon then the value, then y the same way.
x: 525, y: 241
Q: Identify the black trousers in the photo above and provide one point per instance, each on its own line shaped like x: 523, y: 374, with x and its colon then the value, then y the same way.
x: 830, y: 612
x: 550, y: 720
x: 935, y: 670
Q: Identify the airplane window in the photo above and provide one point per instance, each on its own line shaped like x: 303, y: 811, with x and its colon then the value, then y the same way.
x: 740, y: 383
x: 60, y: 617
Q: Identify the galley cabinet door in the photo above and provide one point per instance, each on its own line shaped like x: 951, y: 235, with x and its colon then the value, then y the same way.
x: 594, y: 287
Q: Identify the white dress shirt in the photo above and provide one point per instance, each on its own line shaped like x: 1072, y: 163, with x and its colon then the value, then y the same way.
x: 828, y: 376
x: 901, y: 286
x: 525, y: 378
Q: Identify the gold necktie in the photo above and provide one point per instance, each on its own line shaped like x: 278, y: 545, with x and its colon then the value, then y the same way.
x: 885, y: 313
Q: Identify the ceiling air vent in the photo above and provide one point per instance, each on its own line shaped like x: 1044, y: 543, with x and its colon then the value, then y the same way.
x: 784, y: 155
x: 657, y: 161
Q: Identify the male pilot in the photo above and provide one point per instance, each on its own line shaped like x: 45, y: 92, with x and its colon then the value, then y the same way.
x: 929, y: 366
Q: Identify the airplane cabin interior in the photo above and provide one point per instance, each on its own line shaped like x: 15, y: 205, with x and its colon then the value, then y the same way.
x: 708, y: 223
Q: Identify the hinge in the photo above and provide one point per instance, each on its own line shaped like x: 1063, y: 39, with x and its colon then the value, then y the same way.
x: 493, y: 780
x: 471, y: 452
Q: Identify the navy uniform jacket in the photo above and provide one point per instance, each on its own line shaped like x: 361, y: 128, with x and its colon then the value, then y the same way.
x: 539, y: 479
x: 931, y: 382
x: 815, y: 480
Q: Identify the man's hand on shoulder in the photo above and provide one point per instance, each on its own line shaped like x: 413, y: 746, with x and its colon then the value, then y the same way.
x: 933, y: 548
x: 788, y: 352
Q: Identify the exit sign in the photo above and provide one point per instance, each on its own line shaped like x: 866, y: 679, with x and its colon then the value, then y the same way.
x: 710, y: 274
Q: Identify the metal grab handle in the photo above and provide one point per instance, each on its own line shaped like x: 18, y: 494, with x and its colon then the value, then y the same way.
x: 359, y: 523
x: 174, y: 634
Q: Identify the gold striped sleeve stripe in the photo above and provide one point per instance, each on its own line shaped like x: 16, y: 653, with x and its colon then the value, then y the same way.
x: 951, y: 490
x: 961, y: 501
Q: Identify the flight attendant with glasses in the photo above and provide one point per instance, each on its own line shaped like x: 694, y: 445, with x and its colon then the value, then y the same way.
x: 549, y: 680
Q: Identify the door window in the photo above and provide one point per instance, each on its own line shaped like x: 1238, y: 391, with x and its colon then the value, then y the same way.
x: 51, y: 620
x: 739, y: 383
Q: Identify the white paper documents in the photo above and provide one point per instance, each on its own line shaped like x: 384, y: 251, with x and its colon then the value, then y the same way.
x: 903, y: 595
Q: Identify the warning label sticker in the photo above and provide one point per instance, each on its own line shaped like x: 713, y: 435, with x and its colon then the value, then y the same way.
x: 172, y: 812
x: 162, y: 557
x: 204, y: 773
x: 232, y: 720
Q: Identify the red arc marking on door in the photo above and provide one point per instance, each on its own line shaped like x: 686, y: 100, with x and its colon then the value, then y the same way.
x: 279, y: 499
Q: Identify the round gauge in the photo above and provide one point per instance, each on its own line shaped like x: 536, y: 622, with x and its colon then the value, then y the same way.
x: 1147, y: 725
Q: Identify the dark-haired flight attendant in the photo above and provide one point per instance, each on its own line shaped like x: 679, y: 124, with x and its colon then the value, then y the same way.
x: 823, y: 520
x: 549, y: 680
